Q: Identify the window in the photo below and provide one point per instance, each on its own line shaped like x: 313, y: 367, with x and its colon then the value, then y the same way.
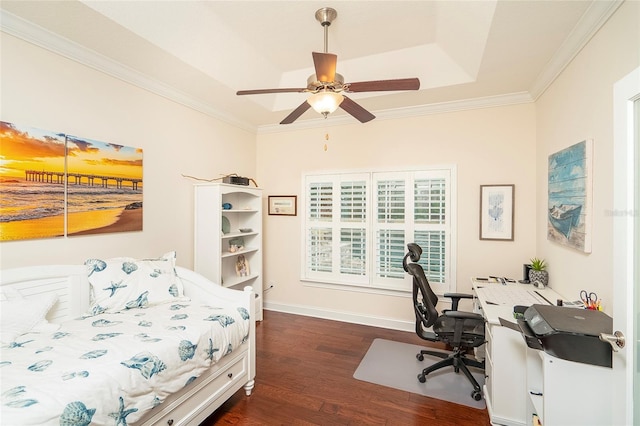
x: 357, y: 226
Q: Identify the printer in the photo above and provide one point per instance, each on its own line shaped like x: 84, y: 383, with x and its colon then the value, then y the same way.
x: 568, y: 333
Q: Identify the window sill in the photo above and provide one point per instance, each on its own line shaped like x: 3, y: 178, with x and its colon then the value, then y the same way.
x: 356, y: 288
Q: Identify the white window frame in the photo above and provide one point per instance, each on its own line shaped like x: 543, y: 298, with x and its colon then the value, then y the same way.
x: 369, y: 282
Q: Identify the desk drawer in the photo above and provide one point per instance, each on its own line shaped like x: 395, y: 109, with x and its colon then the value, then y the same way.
x: 488, y: 373
x: 488, y: 335
x: 509, y: 375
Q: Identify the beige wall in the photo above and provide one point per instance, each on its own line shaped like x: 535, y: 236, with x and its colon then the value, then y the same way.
x: 44, y: 90
x: 579, y: 106
x: 487, y: 146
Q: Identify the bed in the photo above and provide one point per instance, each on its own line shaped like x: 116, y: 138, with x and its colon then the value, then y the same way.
x: 84, y: 359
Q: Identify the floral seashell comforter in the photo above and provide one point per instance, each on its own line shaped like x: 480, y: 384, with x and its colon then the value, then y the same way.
x: 111, y: 369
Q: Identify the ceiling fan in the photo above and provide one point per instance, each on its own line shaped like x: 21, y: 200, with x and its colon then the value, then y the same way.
x: 327, y: 87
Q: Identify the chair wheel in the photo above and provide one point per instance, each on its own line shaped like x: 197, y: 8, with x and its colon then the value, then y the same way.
x: 477, y: 395
x: 422, y: 378
x: 420, y: 357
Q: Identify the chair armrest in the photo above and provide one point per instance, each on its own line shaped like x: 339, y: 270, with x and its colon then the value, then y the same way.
x: 458, y: 295
x: 455, y: 299
x: 463, y: 315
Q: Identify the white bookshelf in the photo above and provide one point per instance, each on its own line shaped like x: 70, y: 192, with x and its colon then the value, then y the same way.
x: 213, y: 256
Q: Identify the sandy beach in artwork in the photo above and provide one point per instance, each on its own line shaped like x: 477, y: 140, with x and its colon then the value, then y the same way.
x: 125, y: 220
x: 46, y: 227
x: 79, y: 223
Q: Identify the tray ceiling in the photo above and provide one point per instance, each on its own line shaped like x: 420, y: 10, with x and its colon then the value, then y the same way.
x: 199, y: 53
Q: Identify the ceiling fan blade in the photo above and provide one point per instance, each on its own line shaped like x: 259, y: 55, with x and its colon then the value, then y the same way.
x: 361, y: 114
x: 264, y: 91
x: 385, y: 85
x: 296, y: 113
x: 325, y: 64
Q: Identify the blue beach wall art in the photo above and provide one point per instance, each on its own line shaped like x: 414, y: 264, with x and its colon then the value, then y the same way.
x: 569, y: 197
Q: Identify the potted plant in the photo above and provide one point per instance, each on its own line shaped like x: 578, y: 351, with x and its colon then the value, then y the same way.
x: 538, y: 274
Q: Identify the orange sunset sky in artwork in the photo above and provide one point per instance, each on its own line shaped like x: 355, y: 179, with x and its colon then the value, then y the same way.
x: 26, y: 148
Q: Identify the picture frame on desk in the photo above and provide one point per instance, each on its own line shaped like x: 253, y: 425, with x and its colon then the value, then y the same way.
x: 497, y: 212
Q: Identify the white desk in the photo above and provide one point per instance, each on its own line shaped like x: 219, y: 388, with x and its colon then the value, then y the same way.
x: 498, y: 300
x: 521, y: 381
x: 505, y: 388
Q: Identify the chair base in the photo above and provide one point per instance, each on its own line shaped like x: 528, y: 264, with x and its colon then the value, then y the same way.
x: 458, y: 361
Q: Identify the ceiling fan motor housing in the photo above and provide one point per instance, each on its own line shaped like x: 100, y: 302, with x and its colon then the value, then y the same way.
x: 314, y: 85
x: 326, y: 15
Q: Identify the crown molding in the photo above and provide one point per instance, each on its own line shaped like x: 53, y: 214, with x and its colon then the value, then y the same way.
x: 590, y: 23
x: 34, y: 34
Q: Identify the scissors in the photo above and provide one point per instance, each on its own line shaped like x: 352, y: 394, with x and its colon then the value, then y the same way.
x: 590, y: 299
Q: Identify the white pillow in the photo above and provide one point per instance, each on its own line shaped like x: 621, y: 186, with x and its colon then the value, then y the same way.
x: 126, y: 283
x: 21, y: 315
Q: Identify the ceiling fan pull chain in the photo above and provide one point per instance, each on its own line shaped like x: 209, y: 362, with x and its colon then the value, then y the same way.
x: 326, y: 138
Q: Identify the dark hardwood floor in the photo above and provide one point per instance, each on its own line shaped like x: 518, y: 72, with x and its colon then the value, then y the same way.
x: 304, y: 376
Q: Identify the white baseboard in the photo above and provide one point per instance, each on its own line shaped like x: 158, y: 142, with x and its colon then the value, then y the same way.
x: 341, y: 316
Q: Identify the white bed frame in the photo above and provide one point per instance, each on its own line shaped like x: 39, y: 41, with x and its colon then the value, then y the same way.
x: 203, y: 396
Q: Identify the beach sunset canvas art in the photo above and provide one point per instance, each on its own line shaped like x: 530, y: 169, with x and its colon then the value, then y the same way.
x: 31, y: 201
x: 104, y: 187
x: 102, y: 184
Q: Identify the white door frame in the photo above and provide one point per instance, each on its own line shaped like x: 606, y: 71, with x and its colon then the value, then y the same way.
x: 626, y: 91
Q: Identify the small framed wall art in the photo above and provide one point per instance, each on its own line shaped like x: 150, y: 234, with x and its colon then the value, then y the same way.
x: 496, y: 212
x: 283, y: 205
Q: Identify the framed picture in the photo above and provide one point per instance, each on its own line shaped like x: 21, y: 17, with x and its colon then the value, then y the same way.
x: 283, y: 205
x: 570, y: 187
x: 242, y: 266
x: 496, y: 212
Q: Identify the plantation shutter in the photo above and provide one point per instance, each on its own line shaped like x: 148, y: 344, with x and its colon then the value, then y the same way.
x: 391, y: 210
x: 357, y: 226
x: 319, y: 239
x: 353, y: 238
x: 431, y: 228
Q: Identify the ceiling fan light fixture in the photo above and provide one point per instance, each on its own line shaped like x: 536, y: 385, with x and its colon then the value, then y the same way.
x: 326, y: 86
x: 325, y: 102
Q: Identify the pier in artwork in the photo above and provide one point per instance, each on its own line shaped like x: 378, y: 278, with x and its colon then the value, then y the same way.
x: 80, y: 178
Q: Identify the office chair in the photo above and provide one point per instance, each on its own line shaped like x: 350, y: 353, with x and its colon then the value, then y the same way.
x: 460, y: 330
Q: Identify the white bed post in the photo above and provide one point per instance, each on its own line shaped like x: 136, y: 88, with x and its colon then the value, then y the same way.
x: 248, y: 387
